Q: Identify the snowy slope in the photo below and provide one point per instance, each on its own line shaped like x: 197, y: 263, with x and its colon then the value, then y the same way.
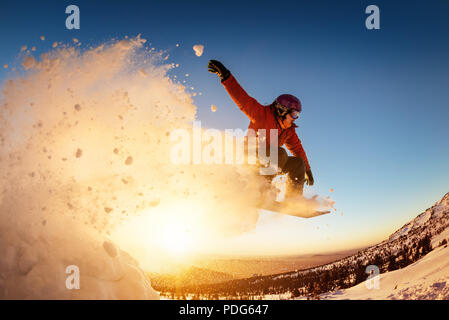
x: 427, y: 278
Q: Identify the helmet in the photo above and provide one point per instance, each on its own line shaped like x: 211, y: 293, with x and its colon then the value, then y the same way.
x: 286, y: 103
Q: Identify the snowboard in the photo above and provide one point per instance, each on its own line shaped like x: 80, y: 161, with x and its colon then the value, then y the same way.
x: 297, y: 205
x: 289, y: 208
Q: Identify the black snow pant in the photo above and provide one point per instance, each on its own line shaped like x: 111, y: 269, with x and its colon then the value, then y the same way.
x: 294, y: 166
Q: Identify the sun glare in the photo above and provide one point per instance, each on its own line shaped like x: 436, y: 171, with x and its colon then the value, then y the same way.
x: 179, y: 230
x: 176, y: 239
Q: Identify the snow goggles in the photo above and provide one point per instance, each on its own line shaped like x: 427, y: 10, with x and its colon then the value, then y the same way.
x: 294, y: 114
x: 283, y: 111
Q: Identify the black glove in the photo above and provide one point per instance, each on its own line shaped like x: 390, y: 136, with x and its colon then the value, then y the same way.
x: 309, y: 177
x: 217, y: 67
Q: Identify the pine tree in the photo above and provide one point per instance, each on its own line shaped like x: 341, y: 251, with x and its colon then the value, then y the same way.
x: 295, y: 293
x: 392, y: 264
x: 378, y: 261
x: 426, y: 244
x: 360, y: 274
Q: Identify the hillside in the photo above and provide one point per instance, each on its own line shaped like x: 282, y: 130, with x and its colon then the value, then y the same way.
x: 413, y: 261
x: 427, y: 278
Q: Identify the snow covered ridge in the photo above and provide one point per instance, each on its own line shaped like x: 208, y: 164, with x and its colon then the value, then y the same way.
x: 428, y: 230
x: 425, y: 219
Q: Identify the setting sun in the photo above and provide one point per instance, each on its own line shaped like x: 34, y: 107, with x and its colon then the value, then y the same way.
x: 176, y: 239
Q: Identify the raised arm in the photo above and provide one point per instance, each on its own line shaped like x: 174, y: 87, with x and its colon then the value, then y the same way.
x: 253, y: 109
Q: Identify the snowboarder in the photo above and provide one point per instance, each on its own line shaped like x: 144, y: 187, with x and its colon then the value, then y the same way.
x: 280, y: 115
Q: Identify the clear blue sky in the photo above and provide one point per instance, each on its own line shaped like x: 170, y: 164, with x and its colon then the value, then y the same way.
x: 375, y: 102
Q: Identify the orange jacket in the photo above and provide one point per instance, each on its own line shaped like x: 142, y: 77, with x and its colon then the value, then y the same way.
x: 263, y: 117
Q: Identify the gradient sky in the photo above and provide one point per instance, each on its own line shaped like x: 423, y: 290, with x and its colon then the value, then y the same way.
x: 375, y: 102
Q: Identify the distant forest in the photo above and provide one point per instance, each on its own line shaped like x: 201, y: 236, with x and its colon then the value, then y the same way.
x: 310, y: 282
